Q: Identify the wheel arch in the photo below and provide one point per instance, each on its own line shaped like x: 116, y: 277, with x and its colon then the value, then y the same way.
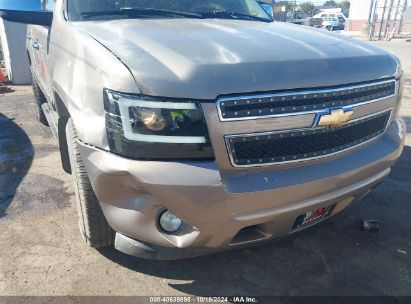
x: 64, y: 116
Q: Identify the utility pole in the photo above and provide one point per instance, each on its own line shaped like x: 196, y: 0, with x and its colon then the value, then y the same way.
x: 397, y: 9
x: 382, y: 19
x: 402, y: 16
x: 387, y: 24
x: 371, y: 19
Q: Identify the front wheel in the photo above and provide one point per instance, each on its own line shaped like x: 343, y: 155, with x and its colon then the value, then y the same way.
x: 93, y: 225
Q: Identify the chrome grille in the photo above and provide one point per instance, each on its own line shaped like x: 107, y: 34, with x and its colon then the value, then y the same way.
x: 299, y: 145
x: 302, y: 101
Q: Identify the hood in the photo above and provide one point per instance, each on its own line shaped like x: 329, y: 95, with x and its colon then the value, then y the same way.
x: 206, y: 58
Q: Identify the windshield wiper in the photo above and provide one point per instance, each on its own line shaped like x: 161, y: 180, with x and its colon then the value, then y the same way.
x: 86, y: 15
x: 234, y: 15
x: 139, y: 11
x: 159, y: 12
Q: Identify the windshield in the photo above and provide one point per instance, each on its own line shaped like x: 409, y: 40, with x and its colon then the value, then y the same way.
x: 79, y: 10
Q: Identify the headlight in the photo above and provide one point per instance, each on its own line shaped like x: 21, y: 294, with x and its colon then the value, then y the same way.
x: 147, y: 128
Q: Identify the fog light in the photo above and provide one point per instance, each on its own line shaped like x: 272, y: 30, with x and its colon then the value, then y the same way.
x: 169, y: 222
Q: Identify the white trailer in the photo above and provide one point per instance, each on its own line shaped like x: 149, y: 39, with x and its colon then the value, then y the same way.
x: 13, y: 43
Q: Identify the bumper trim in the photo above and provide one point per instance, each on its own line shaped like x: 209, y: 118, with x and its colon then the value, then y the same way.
x: 336, y: 195
x: 145, y: 250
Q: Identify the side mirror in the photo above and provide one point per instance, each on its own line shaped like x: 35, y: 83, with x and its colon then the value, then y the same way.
x: 37, y: 18
x: 268, y: 9
x: 25, y: 11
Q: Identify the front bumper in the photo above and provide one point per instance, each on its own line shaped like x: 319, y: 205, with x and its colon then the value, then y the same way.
x: 224, y: 210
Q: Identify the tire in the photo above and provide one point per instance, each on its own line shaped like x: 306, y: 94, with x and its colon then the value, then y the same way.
x: 93, y: 225
x: 39, y: 100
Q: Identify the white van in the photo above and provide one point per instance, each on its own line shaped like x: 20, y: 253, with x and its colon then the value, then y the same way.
x: 325, y: 15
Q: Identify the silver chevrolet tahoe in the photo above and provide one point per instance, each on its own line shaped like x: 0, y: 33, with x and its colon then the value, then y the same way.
x: 191, y: 127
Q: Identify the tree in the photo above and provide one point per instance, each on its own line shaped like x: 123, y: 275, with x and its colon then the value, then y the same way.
x: 345, y: 6
x: 330, y: 4
x: 308, y: 8
x: 291, y: 6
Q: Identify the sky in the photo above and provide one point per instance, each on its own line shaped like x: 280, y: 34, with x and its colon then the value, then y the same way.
x: 29, y: 5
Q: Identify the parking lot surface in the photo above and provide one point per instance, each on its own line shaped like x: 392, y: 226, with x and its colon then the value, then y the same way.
x: 42, y: 253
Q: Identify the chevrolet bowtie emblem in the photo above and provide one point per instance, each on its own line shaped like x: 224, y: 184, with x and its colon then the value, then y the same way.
x: 335, y: 118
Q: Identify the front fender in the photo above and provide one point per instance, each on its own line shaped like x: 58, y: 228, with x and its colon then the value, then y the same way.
x: 82, y: 68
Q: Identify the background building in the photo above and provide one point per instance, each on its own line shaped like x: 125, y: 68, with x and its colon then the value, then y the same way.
x: 13, y: 44
x: 380, y: 18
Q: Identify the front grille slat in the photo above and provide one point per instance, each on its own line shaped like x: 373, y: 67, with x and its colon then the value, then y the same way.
x: 289, y: 103
x: 273, y: 148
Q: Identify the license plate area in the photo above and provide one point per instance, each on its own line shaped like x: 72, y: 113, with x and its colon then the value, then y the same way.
x: 312, y: 217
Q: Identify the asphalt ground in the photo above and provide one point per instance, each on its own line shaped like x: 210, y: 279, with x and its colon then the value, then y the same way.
x: 42, y: 253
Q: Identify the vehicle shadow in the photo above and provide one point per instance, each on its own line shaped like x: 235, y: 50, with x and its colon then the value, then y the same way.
x: 332, y: 258
x: 16, y: 157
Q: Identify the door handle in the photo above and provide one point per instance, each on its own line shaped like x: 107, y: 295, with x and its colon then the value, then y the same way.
x: 36, y: 45
x: 29, y: 37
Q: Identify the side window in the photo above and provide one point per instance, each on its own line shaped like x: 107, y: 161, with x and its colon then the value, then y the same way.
x: 48, y: 5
